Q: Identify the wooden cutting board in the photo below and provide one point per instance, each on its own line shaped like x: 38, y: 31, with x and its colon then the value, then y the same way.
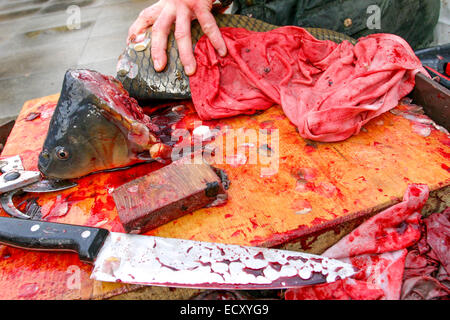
x: 318, y: 192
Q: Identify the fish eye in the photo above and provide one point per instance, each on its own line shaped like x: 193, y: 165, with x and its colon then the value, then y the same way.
x: 61, y: 153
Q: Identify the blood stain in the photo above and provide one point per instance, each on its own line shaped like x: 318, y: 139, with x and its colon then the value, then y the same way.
x: 259, y: 255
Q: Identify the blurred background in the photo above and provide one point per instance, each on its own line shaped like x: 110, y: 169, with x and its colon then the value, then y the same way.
x: 41, y: 39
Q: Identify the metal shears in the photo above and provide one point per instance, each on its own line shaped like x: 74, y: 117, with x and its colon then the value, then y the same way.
x: 15, y: 180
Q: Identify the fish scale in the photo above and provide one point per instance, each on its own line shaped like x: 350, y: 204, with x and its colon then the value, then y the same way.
x: 172, y: 82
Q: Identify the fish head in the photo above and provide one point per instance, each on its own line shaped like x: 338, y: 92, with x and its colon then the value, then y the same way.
x: 86, y: 143
x: 87, y: 132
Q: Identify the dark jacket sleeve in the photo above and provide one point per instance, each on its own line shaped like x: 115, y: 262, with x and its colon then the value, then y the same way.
x: 414, y: 20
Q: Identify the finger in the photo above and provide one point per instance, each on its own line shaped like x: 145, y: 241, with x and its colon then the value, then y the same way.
x: 210, y: 28
x: 160, y: 32
x: 183, y: 37
x: 145, y: 19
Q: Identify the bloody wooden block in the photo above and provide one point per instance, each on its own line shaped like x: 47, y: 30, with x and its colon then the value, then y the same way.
x: 167, y: 194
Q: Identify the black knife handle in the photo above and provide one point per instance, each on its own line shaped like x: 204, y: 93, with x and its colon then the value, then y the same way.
x: 50, y: 236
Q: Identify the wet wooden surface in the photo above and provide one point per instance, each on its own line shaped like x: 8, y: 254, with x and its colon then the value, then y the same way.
x: 316, y: 189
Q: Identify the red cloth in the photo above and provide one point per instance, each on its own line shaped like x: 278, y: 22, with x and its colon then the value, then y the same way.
x: 348, y: 289
x: 328, y: 91
x: 377, y: 248
x: 393, y: 229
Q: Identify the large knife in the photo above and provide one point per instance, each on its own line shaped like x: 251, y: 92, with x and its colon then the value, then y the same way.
x: 148, y: 260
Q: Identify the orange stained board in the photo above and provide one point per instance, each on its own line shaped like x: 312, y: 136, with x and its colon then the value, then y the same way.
x: 314, y: 186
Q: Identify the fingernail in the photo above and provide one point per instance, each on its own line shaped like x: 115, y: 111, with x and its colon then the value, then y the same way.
x: 157, y: 65
x: 189, y: 70
x: 222, y: 52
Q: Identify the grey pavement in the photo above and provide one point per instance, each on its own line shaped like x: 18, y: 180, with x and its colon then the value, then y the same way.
x: 41, y: 39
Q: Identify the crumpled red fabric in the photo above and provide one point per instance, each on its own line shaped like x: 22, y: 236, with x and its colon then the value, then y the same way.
x: 328, y: 91
x: 378, y: 249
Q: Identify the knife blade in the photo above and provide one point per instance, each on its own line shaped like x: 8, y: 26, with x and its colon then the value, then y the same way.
x: 157, y: 261
x: 48, y: 186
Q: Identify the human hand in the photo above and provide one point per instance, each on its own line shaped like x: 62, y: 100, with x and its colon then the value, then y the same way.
x: 162, y: 15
